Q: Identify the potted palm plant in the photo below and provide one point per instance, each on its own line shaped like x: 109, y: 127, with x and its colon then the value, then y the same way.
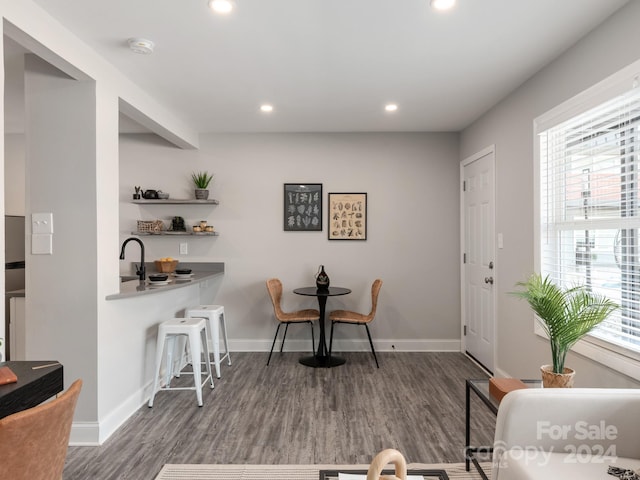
x: 566, y: 315
x: 201, y: 181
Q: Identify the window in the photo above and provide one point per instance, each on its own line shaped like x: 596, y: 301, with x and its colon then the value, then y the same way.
x: 588, y: 201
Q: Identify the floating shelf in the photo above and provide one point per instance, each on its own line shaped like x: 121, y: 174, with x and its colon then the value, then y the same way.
x: 176, y: 201
x: 176, y: 234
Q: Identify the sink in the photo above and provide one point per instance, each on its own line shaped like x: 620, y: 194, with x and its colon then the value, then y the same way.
x: 128, y: 278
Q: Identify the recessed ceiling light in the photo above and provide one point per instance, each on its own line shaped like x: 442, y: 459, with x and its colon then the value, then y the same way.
x: 141, y: 46
x: 443, y: 4
x: 391, y: 107
x: 221, y: 6
x: 266, y: 108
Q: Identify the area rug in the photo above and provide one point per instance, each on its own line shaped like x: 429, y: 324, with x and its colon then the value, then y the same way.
x: 455, y: 471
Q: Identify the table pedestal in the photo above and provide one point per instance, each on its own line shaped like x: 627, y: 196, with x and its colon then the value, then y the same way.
x: 321, y: 358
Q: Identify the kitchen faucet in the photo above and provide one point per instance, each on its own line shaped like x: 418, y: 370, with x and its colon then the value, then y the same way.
x: 140, y: 270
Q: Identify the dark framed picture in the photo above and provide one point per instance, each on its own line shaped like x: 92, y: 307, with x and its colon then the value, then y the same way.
x: 347, y: 216
x: 303, y: 207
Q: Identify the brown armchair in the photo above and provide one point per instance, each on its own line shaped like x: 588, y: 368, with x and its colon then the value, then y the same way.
x: 33, y: 442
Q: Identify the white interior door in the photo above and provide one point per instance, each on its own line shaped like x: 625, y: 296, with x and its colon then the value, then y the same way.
x: 478, y: 246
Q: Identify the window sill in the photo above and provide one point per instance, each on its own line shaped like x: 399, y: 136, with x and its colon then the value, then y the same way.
x: 616, y: 360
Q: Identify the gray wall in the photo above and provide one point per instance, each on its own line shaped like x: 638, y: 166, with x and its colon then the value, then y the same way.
x: 413, y: 228
x: 61, y: 304
x: 509, y: 125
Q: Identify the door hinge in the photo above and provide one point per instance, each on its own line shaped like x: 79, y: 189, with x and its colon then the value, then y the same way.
x: 464, y: 258
x: 464, y: 185
x: 465, y: 330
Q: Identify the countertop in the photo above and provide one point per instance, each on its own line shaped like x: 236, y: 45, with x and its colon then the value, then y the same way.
x: 201, y: 272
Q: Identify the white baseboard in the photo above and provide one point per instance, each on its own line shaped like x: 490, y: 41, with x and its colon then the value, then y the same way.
x: 96, y: 433
x: 296, y: 345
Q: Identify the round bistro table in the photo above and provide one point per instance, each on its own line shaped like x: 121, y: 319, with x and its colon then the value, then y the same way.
x: 321, y: 359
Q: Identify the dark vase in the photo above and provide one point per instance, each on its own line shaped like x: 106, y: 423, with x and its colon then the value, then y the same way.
x: 322, y: 279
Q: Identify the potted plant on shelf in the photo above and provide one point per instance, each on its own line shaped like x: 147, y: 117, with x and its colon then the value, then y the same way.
x: 566, y: 315
x: 201, y: 181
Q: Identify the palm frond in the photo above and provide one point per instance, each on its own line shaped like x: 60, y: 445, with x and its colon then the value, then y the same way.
x: 566, y: 315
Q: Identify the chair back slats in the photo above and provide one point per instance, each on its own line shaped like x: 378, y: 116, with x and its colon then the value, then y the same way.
x: 274, y: 286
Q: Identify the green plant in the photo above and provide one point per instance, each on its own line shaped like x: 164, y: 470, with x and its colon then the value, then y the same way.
x: 566, y: 314
x: 201, y: 179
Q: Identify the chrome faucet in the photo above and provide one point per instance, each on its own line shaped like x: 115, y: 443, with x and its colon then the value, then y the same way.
x: 140, y: 270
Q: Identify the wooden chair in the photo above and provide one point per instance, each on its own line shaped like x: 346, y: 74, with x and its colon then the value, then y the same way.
x: 33, y: 442
x: 355, y: 318
x: 274, y: 286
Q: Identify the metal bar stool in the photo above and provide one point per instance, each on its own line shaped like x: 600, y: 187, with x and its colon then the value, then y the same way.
x: 196, y: 332
x: 215, y: 316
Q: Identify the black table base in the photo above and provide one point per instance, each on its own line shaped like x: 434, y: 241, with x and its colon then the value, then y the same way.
x: 322, y: 361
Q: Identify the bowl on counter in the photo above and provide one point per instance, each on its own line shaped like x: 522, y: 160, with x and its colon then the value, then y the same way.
x: 183, y: 271
x: 162, y: 195
x: 158, y: 277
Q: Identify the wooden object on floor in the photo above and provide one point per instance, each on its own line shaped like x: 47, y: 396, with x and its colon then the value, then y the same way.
x: 499, y: 387
x: 34, y: 442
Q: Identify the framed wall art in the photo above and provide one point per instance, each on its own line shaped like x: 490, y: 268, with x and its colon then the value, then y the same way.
x: 303, y: 207
x: 347, y: 216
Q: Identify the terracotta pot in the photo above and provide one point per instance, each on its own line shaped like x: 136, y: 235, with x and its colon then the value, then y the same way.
x: 557, y: 380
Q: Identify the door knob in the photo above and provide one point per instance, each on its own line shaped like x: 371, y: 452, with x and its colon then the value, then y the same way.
x: 488, y: 280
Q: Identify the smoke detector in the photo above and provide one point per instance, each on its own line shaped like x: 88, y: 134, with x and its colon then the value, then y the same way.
x: 141, y: 46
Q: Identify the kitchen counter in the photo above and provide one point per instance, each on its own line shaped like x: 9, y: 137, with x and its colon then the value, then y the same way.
x: 201, y: 272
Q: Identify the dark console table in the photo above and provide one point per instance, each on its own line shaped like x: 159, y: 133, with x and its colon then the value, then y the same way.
x: 34, y: 385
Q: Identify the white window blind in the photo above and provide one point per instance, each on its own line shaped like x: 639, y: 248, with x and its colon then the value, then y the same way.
x: 590, y: 210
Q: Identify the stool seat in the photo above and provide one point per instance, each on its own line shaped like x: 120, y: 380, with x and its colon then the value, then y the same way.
x: 214, y: 314
x: 196, y: 332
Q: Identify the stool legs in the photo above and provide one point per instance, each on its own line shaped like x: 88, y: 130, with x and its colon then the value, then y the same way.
x: 196, y: 354
x: 159, y: 352
x: 214, y: 314
x: 172, y: 332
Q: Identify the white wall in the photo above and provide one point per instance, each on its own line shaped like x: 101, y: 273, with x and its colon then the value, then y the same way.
x: 14, y: 171
x: 77, y: 322
x: 509, y: 125
x: 413, y: 229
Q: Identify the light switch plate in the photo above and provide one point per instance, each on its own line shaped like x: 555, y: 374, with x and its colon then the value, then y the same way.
x: 41, y: 223
x: 41, y: 244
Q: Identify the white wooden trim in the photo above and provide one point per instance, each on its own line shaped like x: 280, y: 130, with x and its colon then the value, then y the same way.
x: 491, y: 149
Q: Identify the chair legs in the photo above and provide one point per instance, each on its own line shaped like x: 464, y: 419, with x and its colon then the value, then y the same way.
x: 275, y: 337
x: 274, y: 343
x: 373, y: 350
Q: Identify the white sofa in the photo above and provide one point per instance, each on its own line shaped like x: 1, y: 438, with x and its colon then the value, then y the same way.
x: 573, y: 433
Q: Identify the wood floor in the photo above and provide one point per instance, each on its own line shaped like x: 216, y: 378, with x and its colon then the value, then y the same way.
x: 291, y: 414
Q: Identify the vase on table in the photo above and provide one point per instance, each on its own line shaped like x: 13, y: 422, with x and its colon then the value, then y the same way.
x: 322, y: 279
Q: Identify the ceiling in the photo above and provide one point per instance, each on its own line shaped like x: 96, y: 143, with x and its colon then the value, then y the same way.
x: 331, y: 65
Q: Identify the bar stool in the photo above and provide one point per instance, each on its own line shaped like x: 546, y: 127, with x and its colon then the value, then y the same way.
x: 196, y: 332
x: 215, y: 315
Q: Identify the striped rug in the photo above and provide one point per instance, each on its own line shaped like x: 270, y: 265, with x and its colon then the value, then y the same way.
x: 455, y: 471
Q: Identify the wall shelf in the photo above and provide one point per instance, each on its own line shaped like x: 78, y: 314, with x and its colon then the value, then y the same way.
x: 176, y: 201
x: 168, y: 233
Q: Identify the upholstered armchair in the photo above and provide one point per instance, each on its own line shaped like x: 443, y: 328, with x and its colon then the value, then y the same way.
x: 572, y: 433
